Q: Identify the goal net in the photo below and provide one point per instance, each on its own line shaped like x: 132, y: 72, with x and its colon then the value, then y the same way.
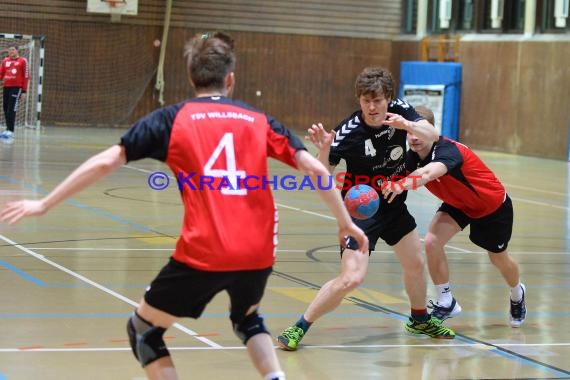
x: 31, y: 48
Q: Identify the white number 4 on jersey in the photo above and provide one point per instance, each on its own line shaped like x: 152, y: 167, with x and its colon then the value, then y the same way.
x: 369, y: 148
x: 231, y: 172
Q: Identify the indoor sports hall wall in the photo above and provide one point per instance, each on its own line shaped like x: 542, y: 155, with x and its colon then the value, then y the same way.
x: 515, y: 95
x: 301, y: 56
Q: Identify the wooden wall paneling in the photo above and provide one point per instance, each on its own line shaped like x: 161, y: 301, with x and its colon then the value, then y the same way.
x: 488, y: 99
x: 544, y: 98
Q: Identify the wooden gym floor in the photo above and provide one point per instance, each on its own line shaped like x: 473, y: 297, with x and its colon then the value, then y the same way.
x: 70, y: 279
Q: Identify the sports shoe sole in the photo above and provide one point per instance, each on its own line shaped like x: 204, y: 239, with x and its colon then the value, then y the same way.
x: 283, y: 344
x: 418, y: 332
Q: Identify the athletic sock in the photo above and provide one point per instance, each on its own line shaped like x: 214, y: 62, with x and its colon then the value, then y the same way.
x: 303, y: 323
x: 420, y: 315
x: 444, y: 296
x: 517, y: 293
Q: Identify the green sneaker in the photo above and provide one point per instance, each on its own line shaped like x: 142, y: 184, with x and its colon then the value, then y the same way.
x: 433, y: 327
x: 290, y: 338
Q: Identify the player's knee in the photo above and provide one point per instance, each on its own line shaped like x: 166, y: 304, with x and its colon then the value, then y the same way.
x: 501, y: 259
x: 248, y: 326
x: 146, y: 340
x: 432, y: 244
x: 351, y: 281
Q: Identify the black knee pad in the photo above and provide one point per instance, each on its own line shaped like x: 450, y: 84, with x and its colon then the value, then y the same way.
x: 249, y: 326
x: 146, y: 340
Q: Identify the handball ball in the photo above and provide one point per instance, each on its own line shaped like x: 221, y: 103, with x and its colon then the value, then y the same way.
x: 361, y: 201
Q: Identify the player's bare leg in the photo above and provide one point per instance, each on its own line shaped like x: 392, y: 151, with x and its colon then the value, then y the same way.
x: 442, y: 228
x: 507, y: 266
x: 409, y: 253
x: 354, y: 265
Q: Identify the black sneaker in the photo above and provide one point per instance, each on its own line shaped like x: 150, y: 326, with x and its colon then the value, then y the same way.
x: 442, y: 312
x: 518, y: 310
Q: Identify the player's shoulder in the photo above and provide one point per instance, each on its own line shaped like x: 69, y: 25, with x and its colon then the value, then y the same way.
x: 351, y: 122
x: 448, y: 142
x: 349, y: 127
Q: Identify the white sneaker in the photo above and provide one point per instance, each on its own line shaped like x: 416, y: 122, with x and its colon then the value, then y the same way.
x: 442, y: 313
x: 518, y: 310
x: 7, y: 137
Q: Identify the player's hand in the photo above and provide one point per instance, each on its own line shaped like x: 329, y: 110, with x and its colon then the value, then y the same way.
x: 320, y: 138
x: 397, y: 121
x: 14, y: 211
x: 354, y: 231
x: 391, y: 191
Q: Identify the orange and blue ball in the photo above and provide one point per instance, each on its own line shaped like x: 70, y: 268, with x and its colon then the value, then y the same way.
x: 362, y: 201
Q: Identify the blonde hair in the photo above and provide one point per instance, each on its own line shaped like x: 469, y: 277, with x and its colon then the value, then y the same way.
x: 426, y: 113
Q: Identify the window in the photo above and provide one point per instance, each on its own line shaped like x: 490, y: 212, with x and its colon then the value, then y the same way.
x: 552, y: 16
x: 464, y: 15
x: 487, y: 16
x: 410, y: 12
x: 501, y: 16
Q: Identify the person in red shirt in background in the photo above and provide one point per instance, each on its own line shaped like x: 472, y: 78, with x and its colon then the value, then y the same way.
x: 14, y: 74
x: 229, y: 231
x: 471, y: 194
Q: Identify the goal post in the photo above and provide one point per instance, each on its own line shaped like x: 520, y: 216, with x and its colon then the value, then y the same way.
x: 32, y: 48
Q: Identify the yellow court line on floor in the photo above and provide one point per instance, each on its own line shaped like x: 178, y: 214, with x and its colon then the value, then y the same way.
x: 367, y: 295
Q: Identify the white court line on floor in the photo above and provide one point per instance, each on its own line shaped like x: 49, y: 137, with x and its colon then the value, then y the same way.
x: 535, y: 189
x: 101, y: 287
x: 436, y: 346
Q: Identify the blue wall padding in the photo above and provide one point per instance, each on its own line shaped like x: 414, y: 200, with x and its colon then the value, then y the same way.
x: 442, y: 73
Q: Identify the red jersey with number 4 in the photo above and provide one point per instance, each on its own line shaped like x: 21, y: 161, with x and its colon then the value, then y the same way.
x: 213, y: 145
x: 469, y: 185
x: 14, y: 72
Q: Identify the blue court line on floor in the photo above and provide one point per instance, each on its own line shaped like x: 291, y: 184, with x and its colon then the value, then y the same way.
x: 20, y: 272
x: 110, y: 216
x: 529, y: 363
x: 2, y: 377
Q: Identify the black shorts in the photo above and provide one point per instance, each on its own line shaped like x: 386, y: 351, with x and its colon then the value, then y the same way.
x: 184, y: 292
x: 389, y: 226
x: 492, y: 232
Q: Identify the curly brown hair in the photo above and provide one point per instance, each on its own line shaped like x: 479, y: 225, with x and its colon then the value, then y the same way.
x: 375, y: 81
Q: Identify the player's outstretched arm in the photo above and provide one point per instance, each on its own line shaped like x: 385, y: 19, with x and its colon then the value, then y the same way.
x: 331, y: 196
x: 414, y: 180
x: 86, y: 174
x: 423, y: 128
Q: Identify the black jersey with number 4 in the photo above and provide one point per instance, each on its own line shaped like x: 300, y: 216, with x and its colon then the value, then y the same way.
x: 372, y: 154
